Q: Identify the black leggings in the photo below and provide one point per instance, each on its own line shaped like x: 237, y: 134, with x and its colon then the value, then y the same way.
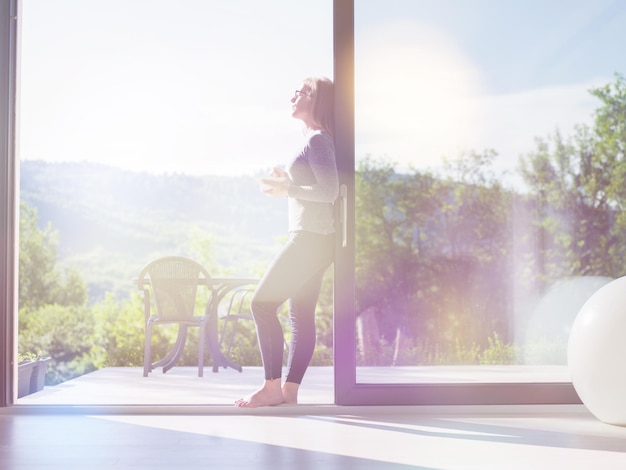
x: 295, y: 275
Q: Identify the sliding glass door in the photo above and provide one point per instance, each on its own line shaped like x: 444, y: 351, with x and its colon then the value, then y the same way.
x: 478, y: 223
x: 477, y: 211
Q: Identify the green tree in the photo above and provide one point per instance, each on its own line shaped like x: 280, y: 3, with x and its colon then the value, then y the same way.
x: 471, y: 263
x: 391, y: 210
x: 41, y: 281
x: 61, y: 332
x: 433, y: 256
x: 53, y: 318
x: 577, y: 190
x: 610, y: 128
x: 118, y: 333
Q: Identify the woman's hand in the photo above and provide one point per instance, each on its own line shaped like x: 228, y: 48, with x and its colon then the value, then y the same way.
x: 278, y: 172
x: 277, y: 184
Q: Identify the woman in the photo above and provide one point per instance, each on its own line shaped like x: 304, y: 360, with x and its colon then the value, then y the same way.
x: 311, y: 185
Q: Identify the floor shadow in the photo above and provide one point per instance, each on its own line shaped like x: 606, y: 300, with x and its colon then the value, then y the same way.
x: 452, y: 428
x: 83, y: 442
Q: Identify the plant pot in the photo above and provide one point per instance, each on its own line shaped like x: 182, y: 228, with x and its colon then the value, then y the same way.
x: 31, y: 376
x: 24, y: 374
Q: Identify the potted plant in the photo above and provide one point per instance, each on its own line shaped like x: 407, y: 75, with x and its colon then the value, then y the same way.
x: 31, y: 373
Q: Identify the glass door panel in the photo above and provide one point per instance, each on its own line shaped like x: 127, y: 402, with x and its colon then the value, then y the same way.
x: 144, y: 127
x: 477, y: 238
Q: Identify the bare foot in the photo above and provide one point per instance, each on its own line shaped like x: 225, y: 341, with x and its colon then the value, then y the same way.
x: 270, y: 394
x: 290, y: 392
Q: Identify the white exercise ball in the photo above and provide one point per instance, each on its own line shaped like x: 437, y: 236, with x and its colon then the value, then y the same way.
x: 596, y: 350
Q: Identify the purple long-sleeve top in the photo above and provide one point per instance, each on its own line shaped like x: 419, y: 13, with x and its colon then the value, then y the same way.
x: 314, y: 185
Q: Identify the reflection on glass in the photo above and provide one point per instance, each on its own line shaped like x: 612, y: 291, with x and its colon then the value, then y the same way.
x: 488, y: 184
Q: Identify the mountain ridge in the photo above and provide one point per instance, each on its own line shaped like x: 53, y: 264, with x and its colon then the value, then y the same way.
x: 112, y: 221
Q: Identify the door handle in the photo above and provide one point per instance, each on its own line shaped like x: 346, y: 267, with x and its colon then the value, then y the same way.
x: 343, y: 195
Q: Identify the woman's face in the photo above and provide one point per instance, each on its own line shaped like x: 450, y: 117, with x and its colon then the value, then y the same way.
x: 301, y: 104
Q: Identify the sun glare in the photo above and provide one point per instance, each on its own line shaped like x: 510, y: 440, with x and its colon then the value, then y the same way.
x: 416, y: 88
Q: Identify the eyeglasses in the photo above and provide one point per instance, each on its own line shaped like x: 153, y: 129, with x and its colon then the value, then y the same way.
x: 301, y: 93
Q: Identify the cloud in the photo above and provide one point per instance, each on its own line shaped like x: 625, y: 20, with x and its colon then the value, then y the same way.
x: 420, y: 98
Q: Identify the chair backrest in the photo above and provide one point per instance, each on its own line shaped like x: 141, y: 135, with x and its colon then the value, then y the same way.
x: 174, y: 282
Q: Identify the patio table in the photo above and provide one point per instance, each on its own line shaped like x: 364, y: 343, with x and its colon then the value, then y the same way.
x: 220, y: 288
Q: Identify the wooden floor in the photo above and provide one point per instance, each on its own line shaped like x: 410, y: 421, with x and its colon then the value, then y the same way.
x: 58, y: 428
x: 380, y: 438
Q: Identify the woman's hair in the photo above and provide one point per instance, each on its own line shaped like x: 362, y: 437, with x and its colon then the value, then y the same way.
x: 323, y: 103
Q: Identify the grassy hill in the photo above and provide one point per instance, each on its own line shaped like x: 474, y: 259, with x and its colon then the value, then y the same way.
x: 111, y: 222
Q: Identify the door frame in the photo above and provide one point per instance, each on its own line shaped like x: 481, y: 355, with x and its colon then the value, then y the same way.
x: 9, y: 195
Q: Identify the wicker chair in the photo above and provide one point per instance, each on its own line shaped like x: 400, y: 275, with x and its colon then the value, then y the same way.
x: 170, y: 286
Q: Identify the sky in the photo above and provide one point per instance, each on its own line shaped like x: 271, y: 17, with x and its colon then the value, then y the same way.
x: 204, y: 86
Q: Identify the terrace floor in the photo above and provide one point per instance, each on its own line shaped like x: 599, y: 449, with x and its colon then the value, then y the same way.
x: 182, y: 386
